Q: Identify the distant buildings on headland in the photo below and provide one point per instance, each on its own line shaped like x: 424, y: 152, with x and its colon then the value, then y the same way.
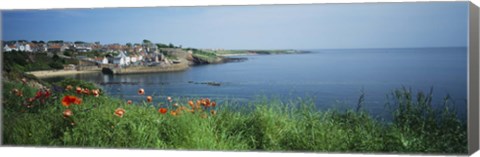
x: 144, y: 53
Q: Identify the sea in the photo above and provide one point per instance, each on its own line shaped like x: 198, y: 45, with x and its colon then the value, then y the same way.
x: 331, y: 78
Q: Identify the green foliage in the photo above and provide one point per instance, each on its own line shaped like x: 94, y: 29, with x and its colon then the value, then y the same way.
x: 261, y: 125
x: 68, y: 52
x: 77, y: 83
x: 19, y: 62
x: 56, y: 65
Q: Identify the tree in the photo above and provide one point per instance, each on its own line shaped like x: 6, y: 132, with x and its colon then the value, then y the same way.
x: 55, y: 57
x: 160, y: 45
x: 79, y: 42
x: 67, y: 53
x: 145, y: 41
x: 171, y: 45
x: 56, y: 65
x: 129, y: 45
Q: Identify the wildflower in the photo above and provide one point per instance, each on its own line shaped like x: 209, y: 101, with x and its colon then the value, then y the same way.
x: 17, y: 92
x: 198, y: 104
x: 162, y: 110
x: 68, y: 99
x: 173, y: 113
x: 119, y: 112
x: 31, y: 99
x: 24, y: 80
x: 169, y: 99
x: 86, y: 91
x: 213, y: 112
x: 175, y: 105
x: 207, y: 102
x: 203, y: 115
x: 79, y: 90
x: 180, y: 109
x: 190, y: 103
x: 67, y: 113
x: 141, y: 91
x: 78, y: 101
x: 38, y: 94
x: 214, y: 104
x: 149, y: 98
x: 47, y: 93
x: 95, y: 92
x: 69, y: 87
x: 129, y: 102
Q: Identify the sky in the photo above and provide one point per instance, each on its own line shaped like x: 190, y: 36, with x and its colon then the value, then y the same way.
x: 317, y: 26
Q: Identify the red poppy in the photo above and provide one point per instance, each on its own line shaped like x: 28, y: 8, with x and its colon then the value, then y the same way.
x: 173, y: 113
x: 163, y: 110
x: 86, y: 91
x: 149, y: 98
x: 214, y: 104
x: 191, y: 103
x: 67, y: 113
x: 47, y: 93
x: 95, y: 92
x: 141, y: 91
x: 119, y: 112
x: 69, y: 87
x: 78, y: 101
x: 79, y: 90
x: 207, y: 102
x: 68, y: 99
x: 38, y: 94
x: 129, y: 102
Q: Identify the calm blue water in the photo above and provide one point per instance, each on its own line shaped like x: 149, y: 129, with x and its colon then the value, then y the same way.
x: 334, y: 78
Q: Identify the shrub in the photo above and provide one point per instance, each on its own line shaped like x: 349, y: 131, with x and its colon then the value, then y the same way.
x: 56, y: 65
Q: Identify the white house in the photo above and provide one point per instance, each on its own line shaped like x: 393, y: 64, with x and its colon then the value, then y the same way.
x: 121, y: 59
x: 8, y: 48
x: 133, y: 59
x: 102, y: 60
x: 105, y: 60
x: 23, y: 47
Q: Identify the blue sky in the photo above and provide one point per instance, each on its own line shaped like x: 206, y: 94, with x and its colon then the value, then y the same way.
x: 373, y: 25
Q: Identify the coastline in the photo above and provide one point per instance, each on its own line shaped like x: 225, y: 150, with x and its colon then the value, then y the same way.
x: 236, y: 54
x: 143, y: 69
x: 53, y: 73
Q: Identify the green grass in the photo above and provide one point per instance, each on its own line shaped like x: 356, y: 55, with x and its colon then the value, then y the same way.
x: 261, y: 125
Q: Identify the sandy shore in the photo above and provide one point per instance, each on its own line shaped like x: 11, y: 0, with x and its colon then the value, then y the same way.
x: 52, y: 73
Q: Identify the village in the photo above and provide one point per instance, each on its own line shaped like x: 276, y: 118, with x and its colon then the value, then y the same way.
x: 113, y: 58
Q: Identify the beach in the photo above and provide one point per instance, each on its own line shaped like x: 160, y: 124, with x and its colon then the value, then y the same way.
x: 52, y: 73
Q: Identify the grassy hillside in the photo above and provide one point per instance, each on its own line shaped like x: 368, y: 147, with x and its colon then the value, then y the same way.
x: 262, y: 125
